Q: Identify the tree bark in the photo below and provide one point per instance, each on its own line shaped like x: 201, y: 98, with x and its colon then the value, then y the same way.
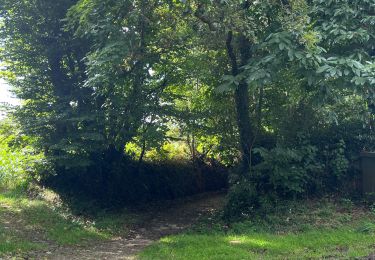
x: 241, y: 94
x: 140, y: 160
x: 242, y: 100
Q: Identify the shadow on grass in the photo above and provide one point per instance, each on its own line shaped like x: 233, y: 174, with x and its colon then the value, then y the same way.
x: 307, y: 230
x: 334, y: 244
x: 10, y: 242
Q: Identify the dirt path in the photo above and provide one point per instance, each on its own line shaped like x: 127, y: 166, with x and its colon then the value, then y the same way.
x: 171, y: 220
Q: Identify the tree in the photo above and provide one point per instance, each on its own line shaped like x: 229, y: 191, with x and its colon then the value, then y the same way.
x: 264, y: 39
x: 46, y: 69
x: 98, y: 75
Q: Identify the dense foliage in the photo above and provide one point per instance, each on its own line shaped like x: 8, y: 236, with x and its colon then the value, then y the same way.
x: 18, y: 162
x: 281, y: 91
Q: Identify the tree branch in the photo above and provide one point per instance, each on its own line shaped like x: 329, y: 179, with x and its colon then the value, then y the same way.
x: 199, y: 13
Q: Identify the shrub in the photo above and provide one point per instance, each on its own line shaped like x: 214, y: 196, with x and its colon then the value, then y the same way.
x: 17, y: 166
x: 286, y: 172
x: 19, y: 162
x: 243, y: 199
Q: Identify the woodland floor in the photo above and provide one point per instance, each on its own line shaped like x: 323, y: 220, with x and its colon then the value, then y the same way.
x: 159, y: 222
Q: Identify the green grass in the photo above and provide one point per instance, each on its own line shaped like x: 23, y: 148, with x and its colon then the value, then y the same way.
x: 22, y: 220
x: 312, y: 244
x: 10, y: 242
x: 305, y: 230
x: 299, y: 230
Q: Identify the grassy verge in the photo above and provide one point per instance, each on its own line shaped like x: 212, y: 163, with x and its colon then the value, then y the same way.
x: 304, y: 230
x: 10, y: 242
x: 29, y: 224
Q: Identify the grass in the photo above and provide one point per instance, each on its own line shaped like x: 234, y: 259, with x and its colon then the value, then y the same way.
x: 303, y: 230
x: 10, y: 242
x: 28, y: 224
x: 297, y: 230
x: 340, y: 243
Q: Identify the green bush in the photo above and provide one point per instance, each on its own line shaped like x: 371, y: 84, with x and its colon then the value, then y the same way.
x: 243, y: 199
x: 18, y: 160
x: 17, y: 166
x: 289, y: 172
x: 247, y: 197
x: 11, y: 167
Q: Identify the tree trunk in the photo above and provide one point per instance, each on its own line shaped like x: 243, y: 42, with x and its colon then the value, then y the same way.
x: 242, y: 100
x: 244, y: 125
x: 140, y: 160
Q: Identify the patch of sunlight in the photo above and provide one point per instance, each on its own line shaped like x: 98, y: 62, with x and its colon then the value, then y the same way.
x: 50, y: 196
x: 234, y: 240
x: 167, y: 240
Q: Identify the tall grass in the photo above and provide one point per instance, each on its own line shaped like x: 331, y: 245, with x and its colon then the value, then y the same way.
x: 18, y: 159
x: 16, y: 165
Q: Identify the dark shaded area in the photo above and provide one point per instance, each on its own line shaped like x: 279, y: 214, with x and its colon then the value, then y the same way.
x: 128, y: 184
x: 356, y: 139
x: 312, y: 164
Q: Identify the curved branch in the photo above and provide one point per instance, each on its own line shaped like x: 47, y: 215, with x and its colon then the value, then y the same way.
x: 200, y: 14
